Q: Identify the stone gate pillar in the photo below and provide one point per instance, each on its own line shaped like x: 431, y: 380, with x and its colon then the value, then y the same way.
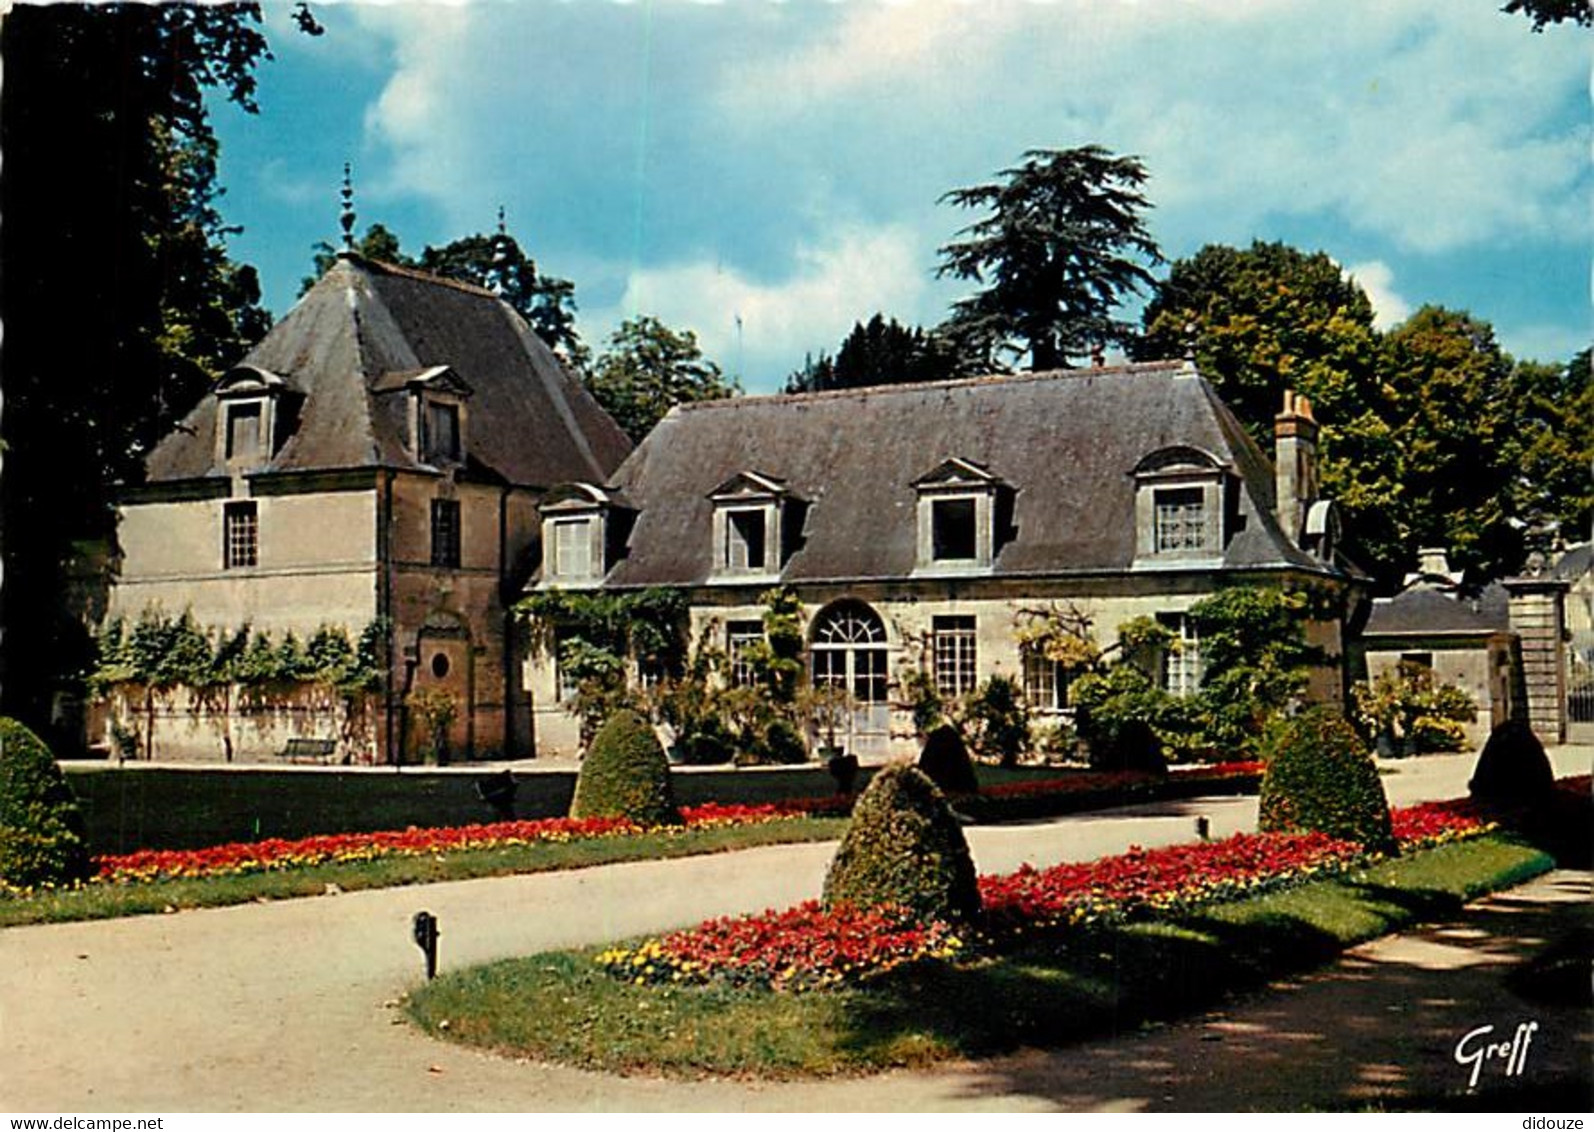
x: 1538, y: 617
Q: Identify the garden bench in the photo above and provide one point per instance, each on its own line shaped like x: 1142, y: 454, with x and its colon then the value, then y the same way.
x: 308, y: 750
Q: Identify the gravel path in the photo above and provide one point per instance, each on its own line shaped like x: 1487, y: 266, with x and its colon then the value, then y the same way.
x: 288, y: 1006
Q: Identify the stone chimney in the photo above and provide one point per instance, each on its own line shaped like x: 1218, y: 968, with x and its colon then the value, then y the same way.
x: 1294, y: 463
x: 1433, y: 562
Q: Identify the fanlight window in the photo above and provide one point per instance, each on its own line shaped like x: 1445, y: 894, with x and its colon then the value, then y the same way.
x: 849, y: 652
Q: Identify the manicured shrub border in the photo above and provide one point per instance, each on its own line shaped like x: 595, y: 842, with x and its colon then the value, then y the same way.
x: 1076, y: 791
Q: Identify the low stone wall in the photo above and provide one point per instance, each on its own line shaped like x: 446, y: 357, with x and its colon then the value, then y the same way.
x: 181, y: 807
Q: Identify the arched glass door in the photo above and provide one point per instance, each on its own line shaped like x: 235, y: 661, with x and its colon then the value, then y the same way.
x: 849, y: 651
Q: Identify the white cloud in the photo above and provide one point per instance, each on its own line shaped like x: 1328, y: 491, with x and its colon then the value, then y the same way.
x: 707, y: 158
x: 857, y: 273
x: 1378, y: 280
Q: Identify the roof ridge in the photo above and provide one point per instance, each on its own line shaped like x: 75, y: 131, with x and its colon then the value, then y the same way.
x: 1121, y: 370
x: 383, y: 267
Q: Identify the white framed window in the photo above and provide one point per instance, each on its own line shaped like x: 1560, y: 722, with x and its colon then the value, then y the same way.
x: 245, y: 438
x: 849, y: 651
x: 240, y: 535
x: 1181, y: 663
x: 1180, y: 500
x: 954, y: 534
x: 1045, y: 682
x: 572, y: 547
x: 1179, y: 516
x: 957, y: 517
x: 739, y: 637
x: 746, y: 540
x: 954, y: 649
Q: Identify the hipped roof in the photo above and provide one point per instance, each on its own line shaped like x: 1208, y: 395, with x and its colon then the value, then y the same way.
x: 529, y: 421
x: 1066, y: 443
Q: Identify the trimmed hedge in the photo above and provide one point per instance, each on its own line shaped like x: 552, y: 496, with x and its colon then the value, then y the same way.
x: 1321, y: 777
x: 904, y: 847
x: 42, y: 840
x: 945, y: 760
x: 1512, y: 767
x: 1132, y: 746
x: 625, y: 775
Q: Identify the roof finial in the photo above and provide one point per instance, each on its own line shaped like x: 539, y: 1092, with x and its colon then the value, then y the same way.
x: 346, y: 217
x: 1190, y: 341
x: 503, y: 229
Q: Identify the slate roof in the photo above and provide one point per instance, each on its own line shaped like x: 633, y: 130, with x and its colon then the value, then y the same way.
x: 363, y: 328
x: 1576, y: 563
x: 1066, y: 443
x: 1426, y: 609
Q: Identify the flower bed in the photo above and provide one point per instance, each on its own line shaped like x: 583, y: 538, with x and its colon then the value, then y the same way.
x: 276, y: 855
x: 810, y: 947
x: 801, y: 948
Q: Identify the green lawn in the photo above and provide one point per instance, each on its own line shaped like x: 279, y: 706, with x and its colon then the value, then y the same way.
x: 102, y: 901
x: 560, y: 1007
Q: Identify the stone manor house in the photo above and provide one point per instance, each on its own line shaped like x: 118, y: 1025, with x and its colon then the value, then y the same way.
x: 402, y: 450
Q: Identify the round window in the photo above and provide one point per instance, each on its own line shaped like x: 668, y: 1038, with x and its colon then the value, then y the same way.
x: 439, y: 665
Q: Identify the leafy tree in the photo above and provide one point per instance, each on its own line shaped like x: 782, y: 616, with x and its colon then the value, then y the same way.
x: 119, y: 300
x: 1254, y: 659
x: 1544, y: 12
x: 648, y: 369
x: 1550, y: 446
x: 879, y: 353
x: 1452, y: 415
x: 498, y: 263
x: 1063, y: 245
x: 1263, y: 320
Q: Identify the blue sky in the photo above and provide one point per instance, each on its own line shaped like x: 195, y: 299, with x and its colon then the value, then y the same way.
x: 768, y: 173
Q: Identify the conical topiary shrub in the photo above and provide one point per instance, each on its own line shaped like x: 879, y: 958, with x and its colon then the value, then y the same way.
x: 625, y: 775
x: 1321, y: 777
x: 1512, y: 767
x: 945, y: 759
x: 904, y: 847
x: 42, y: 838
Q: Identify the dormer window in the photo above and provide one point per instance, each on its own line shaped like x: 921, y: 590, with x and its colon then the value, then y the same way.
x: 575, y: 530
x: 954, y: 527
x: 751, y: 513
x: 247, y: 420
x: 1180, y: 499
x: 746, y: 540
x: 957, y: 517
x: 1179, y: 518
x: 434, y: 411
x: 244, y: 439
x: 440, y: 440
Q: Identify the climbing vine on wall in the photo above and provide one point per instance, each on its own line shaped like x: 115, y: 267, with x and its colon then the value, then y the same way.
x: 142, y: 667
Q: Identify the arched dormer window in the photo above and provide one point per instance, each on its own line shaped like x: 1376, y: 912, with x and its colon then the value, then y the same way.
x: 749, y: 530
x: 575, y: 519
x: 247, y: 423
x: 1180, y: 501
x: 434, y: 412
x: 957, y: 517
